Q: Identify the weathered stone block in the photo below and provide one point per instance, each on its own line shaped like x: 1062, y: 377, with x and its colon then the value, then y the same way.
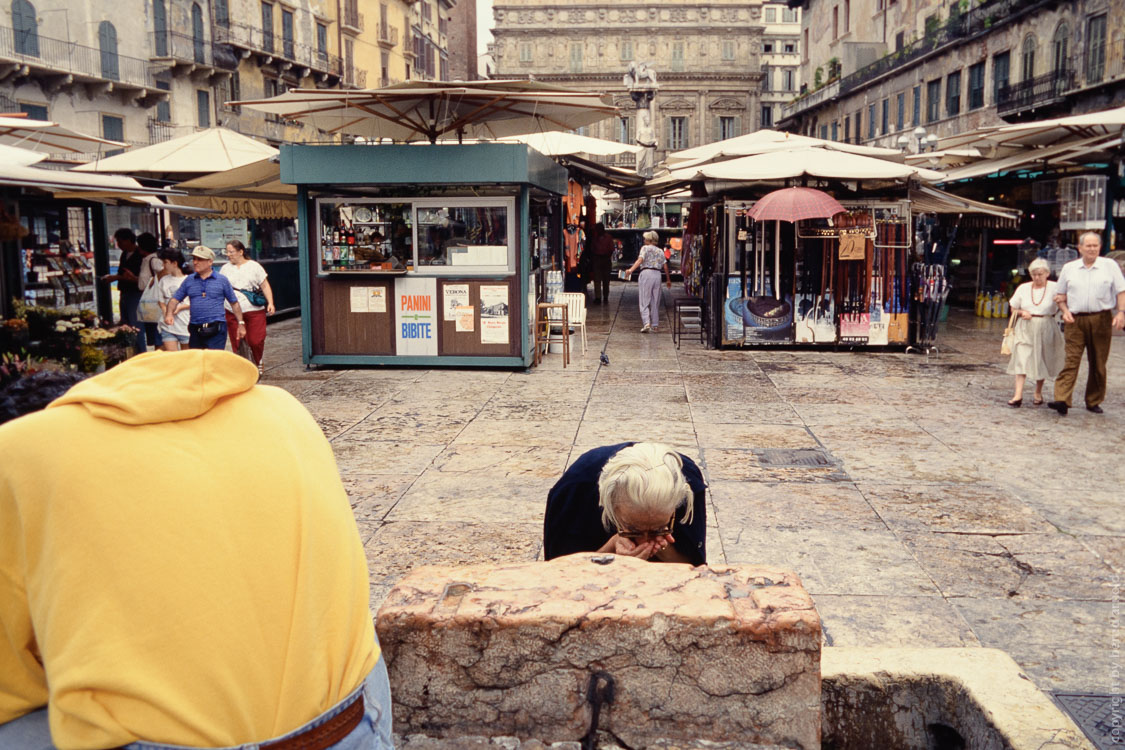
x: 719, y: 653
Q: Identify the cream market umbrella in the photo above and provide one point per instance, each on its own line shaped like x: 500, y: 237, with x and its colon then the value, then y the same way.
x: 211, y: 150
x: 11, y: 155
x: 252, y: 191
x: 432, y: 110
x: 49, y: 137
x: 810, y: 162
x: 557, y: 143
x: 766, y: 140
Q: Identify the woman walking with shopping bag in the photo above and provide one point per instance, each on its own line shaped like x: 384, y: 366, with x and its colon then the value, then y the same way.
x: 254, y: 295
x: 650, y: 260
x: 1036, y: 342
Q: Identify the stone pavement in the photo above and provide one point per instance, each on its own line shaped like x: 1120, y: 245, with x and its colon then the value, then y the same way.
x: 945, y: 518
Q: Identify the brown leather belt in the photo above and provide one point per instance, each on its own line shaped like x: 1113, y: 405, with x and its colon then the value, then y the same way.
x: 323, y: 735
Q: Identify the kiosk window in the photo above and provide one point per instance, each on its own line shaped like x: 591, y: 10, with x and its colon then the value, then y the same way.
x: 462, y: 236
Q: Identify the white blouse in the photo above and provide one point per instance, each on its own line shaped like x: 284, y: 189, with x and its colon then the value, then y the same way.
x: 1035, y: 301
x: 249, y: 275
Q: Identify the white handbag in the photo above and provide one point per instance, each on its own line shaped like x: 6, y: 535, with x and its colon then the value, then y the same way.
x: 149, y: 309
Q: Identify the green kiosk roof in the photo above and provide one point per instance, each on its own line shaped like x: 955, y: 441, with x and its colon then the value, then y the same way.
x: 476, y: 164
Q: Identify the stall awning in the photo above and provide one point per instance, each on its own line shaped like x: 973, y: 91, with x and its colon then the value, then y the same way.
x: 930, y: 200
x: 92, y: 186
x: 253, y: 191
x: 1063, y: 154
x: 765, y: 140
x: 211, y: 150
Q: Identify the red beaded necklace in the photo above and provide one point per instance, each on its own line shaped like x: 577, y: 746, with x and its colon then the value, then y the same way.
x: 1041, y: 297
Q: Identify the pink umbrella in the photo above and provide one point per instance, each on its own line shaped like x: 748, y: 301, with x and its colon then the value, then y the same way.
x: 794, y: 204
x: 791, y: 204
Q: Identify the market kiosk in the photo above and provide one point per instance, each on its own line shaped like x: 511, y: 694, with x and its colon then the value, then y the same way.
x: 839, y: 282
x: 421, y: 254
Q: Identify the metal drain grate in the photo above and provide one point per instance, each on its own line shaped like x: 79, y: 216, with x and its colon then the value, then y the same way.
x: 1101, y: 717
x: 799, y: 458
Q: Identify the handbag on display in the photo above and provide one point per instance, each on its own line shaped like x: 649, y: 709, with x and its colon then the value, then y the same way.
x: 149, y: 309
x: 254, y: 297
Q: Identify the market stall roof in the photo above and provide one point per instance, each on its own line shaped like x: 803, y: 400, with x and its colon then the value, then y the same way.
x: 792, y: 164
x: 90, y: 186
x: 1110, y: 122
x: 602, y: 174
x: 558, y: 143
x: 1063, y: 154
x: 430, y: 110
x: 49, y: 137
x: 949, y: 157
x: 926, y: 199
x: 766, y: 140
x: 211, y: 150
x: 20, y: 156
x: 252, y: 191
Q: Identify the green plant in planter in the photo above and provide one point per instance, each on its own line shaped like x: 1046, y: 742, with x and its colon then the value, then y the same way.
x: 818, y: 77
x: 91, y: 358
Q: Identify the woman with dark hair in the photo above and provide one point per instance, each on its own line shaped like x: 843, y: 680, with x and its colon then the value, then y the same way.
x: 254, y: 295
x: 173, y: 337
x: 151, y: 268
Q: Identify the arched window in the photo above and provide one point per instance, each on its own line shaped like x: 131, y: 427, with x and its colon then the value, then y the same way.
x: 1059, y: 48
x: 107, y: 43
x: 25, y: 28
x: 160, y: 27
x: 1027, y: 60
x: 197, y: 32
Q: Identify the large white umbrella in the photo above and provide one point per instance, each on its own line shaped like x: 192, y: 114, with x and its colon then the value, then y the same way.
x: 252, y: 191
x: 11, y: 155
x: 211, y: 150
x: 558, y: 143
x: 806, y: 162
x: 766, y: 140
x: 49, y: 137
x: 431, y: 110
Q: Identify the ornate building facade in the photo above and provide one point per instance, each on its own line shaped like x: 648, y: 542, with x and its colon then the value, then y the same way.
x: 707, y: 57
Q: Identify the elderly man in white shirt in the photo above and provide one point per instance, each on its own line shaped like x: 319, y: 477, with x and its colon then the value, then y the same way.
x: 1091, y: 296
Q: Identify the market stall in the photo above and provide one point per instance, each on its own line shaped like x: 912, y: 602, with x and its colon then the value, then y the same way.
x: 421, y: 254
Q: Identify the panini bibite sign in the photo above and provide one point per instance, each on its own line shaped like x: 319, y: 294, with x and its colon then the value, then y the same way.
x: 416, y: 317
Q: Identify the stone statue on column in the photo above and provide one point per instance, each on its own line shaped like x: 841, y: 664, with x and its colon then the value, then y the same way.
x: 640, y: 82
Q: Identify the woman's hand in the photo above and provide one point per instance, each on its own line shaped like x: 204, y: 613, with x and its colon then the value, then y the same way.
x: 270, y: 309
x: 1025, y: 314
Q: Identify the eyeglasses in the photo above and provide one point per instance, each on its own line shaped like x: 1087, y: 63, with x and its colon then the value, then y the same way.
x: 635, y: 534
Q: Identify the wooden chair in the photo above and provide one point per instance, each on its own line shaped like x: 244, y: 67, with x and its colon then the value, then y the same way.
x: 576, y: 309
x: 550, y: 314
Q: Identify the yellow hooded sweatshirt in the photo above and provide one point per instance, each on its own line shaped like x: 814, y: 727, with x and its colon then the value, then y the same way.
x: 179, y: 562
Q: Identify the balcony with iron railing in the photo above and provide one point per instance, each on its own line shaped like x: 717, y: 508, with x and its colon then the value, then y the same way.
x: 388, y: 35
x: 177, y: 48
x: 1035, y: 93
x: 67, y: 62
x: 160, y: 130
x: 958, y: 26
x: 810, y: 100
x: 253, y: 38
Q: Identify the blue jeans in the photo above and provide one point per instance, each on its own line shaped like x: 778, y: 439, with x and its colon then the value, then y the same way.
x: 30, y: 731
x: 216, y: 341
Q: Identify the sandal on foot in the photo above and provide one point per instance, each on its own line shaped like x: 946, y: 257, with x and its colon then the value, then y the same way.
x: 1015, y: 403
x: 1037, y: 402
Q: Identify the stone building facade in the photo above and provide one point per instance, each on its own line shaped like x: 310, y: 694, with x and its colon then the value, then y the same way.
x: 707, y: 57
x: 876, y: 70
x: 781, y: 59
x: 145, y: 71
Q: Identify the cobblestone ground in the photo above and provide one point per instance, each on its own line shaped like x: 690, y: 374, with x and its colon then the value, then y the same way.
x: 948, y: 518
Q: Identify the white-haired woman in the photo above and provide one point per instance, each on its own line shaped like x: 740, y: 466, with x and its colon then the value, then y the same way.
x: 650, y: 260
x: 644, y: 500
x: 1038, y: 349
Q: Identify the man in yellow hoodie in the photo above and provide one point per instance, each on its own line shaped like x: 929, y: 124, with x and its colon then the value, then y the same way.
x: 218, y: 598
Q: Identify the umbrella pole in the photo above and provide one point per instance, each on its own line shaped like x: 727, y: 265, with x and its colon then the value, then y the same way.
x: 777, y: 259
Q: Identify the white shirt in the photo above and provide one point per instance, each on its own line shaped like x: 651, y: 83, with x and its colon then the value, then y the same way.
x: 249, y: 275
x: 1027, y: 298
x: 1093, y: 289
x: 165, y: 288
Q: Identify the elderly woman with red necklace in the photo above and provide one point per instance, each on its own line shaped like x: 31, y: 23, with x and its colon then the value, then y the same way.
x: 1037, y: 343
x: 254, y: 295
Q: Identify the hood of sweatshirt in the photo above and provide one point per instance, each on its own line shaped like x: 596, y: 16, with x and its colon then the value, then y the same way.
x: 162, y: 386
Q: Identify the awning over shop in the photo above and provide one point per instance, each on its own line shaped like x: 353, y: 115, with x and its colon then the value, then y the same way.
x: 252, y: 191
x: 1070, y: 153
x: 69, y: 184
x: 765, y: 140
x: 49, y: 137
x: 925, y: 199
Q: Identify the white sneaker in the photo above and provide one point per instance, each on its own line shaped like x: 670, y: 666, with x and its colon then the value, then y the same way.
x: 645, y: 328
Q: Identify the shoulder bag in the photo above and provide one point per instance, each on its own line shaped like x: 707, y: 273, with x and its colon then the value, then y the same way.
x: 149, y: 309
x: 1009, y: 333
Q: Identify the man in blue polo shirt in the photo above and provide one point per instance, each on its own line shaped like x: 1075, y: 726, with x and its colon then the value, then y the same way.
x: 206, y: 290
